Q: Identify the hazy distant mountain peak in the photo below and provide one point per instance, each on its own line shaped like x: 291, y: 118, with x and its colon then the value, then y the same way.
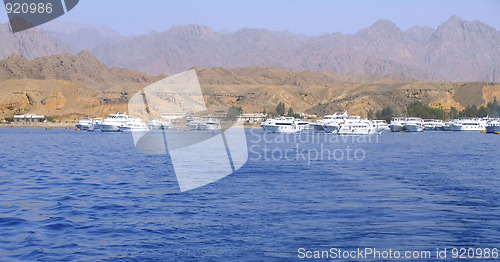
x: 458, y: 50
x: 382, y: 27
x: 419, y: 33
x: 194, y: 29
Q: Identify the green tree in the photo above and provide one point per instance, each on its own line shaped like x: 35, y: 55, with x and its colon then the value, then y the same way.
x: 50, y: 119
x: 453, y: 113
x: 469, y: 111
x: 385, y: 114
x: 417, y: 109
x: 494, y: 108
x: 290, y: 112
x: 370, y: 114
x: 233, y: 113
x: 483, y: 111
x: 280, y: 109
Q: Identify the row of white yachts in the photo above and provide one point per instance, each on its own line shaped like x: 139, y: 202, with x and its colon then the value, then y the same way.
x: 343, y: 124
x: 121, y: 122
x: 338, y: 123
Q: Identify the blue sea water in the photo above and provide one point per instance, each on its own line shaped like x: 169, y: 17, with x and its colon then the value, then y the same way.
x: 90, y: 196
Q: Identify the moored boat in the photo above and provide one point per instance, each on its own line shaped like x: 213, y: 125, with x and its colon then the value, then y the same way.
x: 413, y: 124
x: 359, y: 127
x: 472, y: 124
x: 433, y: 124
x: 493, y: 126
x: 85, y: 123
x: 284, y: 125
x: 331, y: 123
x: 397, y: 124
x: 133, y: 125
x: 113, y: 122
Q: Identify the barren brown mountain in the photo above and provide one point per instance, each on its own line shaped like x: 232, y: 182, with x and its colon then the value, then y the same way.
x: 68, y: 87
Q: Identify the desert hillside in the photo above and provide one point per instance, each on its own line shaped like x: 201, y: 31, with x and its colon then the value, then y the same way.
x: 68, y: 87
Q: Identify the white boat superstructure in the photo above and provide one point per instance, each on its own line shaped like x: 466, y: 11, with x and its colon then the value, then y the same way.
x: 472, y: 124
x: 331, y: 123
x: 210, y: 124
x: 433, y: 124
x: 284, y: 125
x: 397, y: 124
x: 96, y: 124
x: 85, y: 123
x: 408, y: 124
x: 159, y: 124
x: 413, y: 124
x: 133, y: 125
x: 493, y: 126
x: 113, y: 122
x: 447, y: 125
x: 359, y: 127
x: 381, y: 125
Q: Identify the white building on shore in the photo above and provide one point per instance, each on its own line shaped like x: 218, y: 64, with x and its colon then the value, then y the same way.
x: 29, y: 118
x: 252, y: 118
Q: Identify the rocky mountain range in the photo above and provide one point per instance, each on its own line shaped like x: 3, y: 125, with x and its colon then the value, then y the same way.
x: 68, y: 87
x: 30, y: 43
x: 457, y: 50
x: 83, y: 67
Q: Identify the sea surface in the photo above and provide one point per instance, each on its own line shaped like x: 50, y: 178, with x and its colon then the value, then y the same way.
x: 69, y: 195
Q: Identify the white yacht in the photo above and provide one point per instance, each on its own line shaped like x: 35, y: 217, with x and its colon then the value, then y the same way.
x: 381, y: 125
x: 433, y: 124
x: 397, y: 124
x: 96, y: 124
x: 284, y: 125
x: 159, y: 124
x: 85, y: 123
x: 133, y: 125
x: 447, y: 125
x: 331, y: 123
x: 413, y: 124
x: 194, y: 123
x: 408, y: 124
x: 210, y: 124
x: 359, y: 127
x: 113, y: 121
x: 493, y: 126
x: 474, y: 124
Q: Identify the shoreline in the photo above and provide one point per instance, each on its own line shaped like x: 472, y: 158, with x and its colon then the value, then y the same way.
x: 68, y: 125
x: 38, y: 125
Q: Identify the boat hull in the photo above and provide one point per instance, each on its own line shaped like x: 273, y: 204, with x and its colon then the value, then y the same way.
x: 280, y: 129
x: 132, y: 129
x: 492, y: 129
x: 83, y: 127
x: 466, y: 128
x: 332, y: 128
x: 318, y: 128
x: 396, y: 128
x: 413, y: 128
x: 358, y: 132
x: 109, y: 128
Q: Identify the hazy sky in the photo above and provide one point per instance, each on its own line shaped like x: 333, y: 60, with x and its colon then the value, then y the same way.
x: 300, y: 16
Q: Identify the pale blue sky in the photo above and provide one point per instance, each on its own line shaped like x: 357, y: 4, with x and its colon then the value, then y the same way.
x: 311, y: 17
